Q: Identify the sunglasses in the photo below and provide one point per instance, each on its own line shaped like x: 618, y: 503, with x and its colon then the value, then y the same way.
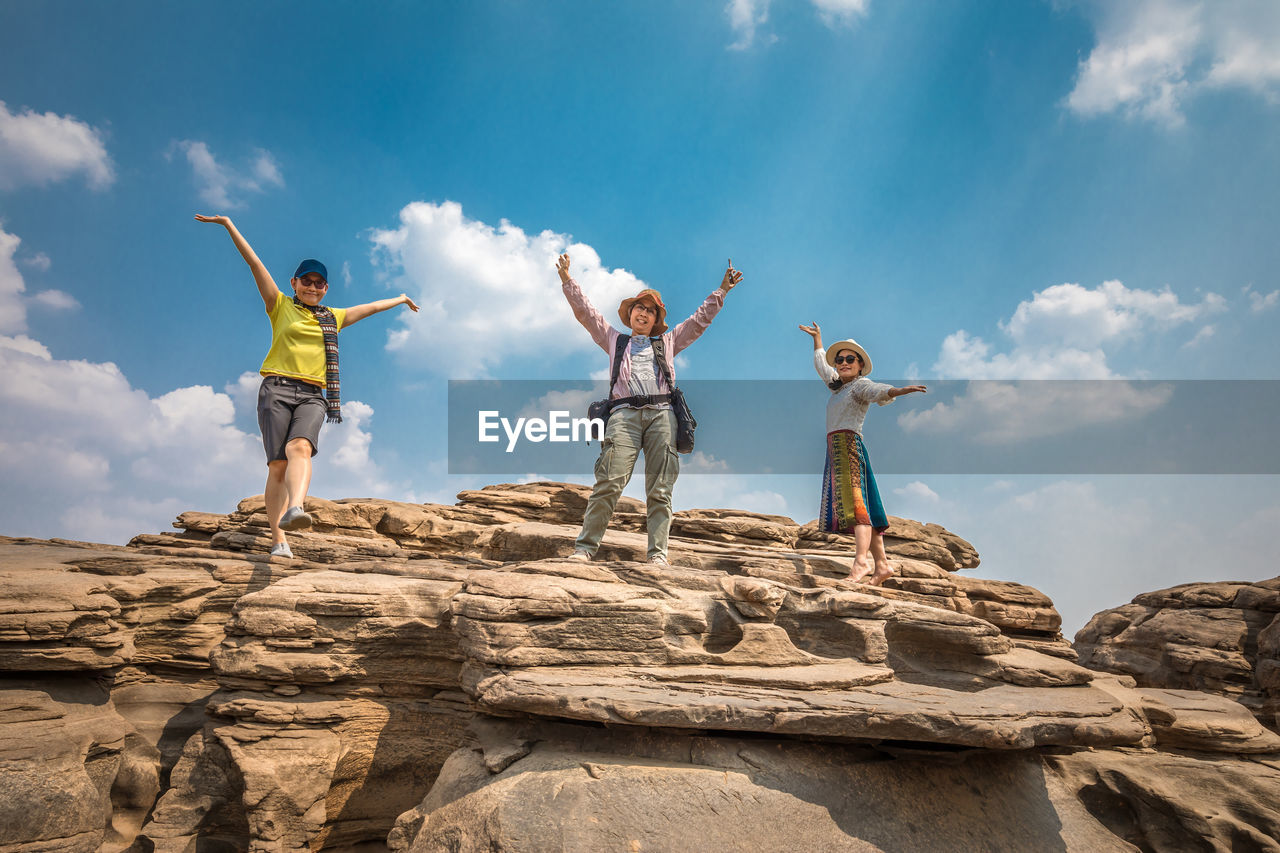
x: 316, y: 285
x: 848, y: 359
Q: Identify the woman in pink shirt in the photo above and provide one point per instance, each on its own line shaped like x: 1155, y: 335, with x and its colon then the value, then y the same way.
x: 641, y: 417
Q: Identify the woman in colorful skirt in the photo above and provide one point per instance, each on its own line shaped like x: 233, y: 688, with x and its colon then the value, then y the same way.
x: 850, y: 499
x: 300, y: 389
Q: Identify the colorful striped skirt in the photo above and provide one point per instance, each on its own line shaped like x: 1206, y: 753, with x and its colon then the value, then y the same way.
x: 849, y: 493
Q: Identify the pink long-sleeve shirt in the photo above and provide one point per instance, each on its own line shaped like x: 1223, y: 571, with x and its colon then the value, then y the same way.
x: 673, y: 340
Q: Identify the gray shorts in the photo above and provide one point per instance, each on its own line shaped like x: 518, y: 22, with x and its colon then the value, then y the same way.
x: 289, y: 409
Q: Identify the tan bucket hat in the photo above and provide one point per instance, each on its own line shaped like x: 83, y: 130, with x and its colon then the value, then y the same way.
x: 849, y: 343
x: 659, y: 323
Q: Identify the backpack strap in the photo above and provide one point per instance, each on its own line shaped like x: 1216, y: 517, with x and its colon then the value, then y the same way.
x: 618, y: 349
x: 660, y: 356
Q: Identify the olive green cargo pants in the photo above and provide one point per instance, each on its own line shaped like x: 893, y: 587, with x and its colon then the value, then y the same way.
x: 629, y: 431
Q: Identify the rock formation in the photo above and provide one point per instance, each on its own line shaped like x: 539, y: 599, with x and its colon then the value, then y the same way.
x: 430, y: 677
x: 1221, y: 638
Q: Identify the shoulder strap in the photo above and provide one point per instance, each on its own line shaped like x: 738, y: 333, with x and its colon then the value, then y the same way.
x: 660, y: 356
x: 618, y: 348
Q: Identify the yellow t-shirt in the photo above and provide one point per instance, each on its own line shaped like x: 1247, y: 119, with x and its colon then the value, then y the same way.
x: 297, y: 344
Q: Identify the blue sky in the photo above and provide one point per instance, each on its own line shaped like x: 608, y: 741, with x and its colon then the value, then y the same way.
x: 973, y: 190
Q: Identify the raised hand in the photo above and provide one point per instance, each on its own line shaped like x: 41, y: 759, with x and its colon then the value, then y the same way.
x: 562, y: 266
x: 413, y: 306
x: 812, y: 331
x: 731, y: 278
x: 216, y: 220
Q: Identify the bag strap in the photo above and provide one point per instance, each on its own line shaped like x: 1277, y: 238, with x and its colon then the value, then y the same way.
x: 659, y: 352
x: 618, y: 349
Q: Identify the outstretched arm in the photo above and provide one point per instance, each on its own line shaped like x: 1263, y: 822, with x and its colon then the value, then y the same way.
x: 583, y: 310
x: 266, y: 285
x: 825, y: 371
x: 691, y: 329
x: 907, y: 389
x: 356, y: 313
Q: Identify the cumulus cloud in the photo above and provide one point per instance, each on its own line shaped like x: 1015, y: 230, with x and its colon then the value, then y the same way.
x: 748, y: 18
x: 14, y: 299
x: 13, y: 308
x: 1006, y: 412
x: 490, y: 293
x: 835, y: 12
x: 1205, y: 333
x: 699, y: 462
x: 39, y: 262
x: 84, y: 454
x: 745, y: 18
x: 222, y: 186
x: 918, y: 491
x: 56, y: 299
x: 1151, y: 56
x: 1063, y: 332
x: 1259, y: 302
x: 43, y: 148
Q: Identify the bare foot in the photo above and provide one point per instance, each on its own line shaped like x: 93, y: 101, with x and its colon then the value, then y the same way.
x: 883, y: 573
x: 860, y: 572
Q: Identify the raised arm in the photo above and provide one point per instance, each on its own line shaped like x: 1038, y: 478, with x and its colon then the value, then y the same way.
x: 266, y: 285
x: 691, y: 329
x: 356, y: 313
x: 825, y: 371
x: 583, y: 311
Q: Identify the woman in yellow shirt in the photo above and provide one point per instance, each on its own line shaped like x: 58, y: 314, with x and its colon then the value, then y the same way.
x: 300, y: 386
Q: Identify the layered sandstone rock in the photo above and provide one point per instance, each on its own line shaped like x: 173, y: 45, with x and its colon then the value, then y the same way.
x: 440, y: 677
x: 1221, y: 638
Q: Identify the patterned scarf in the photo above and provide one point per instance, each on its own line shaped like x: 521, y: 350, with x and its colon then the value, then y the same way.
x: 329, y: 326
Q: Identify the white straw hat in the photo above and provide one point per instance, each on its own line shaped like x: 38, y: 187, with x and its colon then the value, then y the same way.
x: 849, y: 343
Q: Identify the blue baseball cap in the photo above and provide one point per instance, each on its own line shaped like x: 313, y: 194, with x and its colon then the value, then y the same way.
x: 311, y: 265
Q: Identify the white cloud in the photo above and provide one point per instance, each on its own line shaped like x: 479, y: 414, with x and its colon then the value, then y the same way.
x: 490, y: 294
x: 745, y: 17
x: 1259, y: 302
x: 1205, y: 333
x: 13, y: 308
x: 575, y: 402
x: 346, y: 273
x: 43, y: 148
x: 56, y: 299
x: 84, y: 454
x: 1151, y: 56
x: 916, y: 490
x: 836, y: 12
x: 699, y: 462
x: 243, y: 391
x: 39, y: 262
x: 1092, y: 545
x: 963, y: 355
x: 265, y: 169
x: 222, y: 186
x: 1063, y: 331
x: 1008, y: 412
x: 716, y: 491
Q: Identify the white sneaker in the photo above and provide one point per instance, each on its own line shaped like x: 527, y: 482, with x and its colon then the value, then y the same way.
x: 580, y: 555
x: 281, y: 549
x: 658, y: 560
x: 295, y: 519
